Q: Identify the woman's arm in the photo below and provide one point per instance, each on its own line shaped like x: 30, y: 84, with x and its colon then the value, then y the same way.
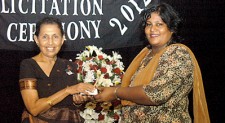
x: 36, y: 105
x: 29, y: 92
x: 172, y: 71
x: 135, y: 94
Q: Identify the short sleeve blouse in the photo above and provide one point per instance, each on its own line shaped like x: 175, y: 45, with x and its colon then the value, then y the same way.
x: 63, y: 74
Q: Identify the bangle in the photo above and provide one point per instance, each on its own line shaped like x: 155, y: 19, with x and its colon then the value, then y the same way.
x: 77, y: 105
x: 50, y: 103
x: 115, y: 93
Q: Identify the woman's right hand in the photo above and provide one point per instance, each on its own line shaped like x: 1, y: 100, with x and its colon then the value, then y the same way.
x: 80, y: 88
x: 79, y: 98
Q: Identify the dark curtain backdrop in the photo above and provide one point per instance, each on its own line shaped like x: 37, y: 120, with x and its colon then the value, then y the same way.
x: 203, y: 31
x: 104, y: 23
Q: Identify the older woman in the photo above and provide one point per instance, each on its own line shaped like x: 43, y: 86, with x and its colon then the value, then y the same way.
x: 156, y: 85
x: 48, y: 82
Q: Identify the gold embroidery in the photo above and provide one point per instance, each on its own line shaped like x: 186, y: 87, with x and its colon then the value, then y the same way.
x: 28, y: 83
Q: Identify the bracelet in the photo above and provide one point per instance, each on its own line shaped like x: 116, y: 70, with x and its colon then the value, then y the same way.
x: 115, y: 93
x: 77, y: 105
x: 50, y: 103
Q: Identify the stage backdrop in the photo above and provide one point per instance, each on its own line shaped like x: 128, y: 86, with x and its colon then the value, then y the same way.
x: 105, y: 23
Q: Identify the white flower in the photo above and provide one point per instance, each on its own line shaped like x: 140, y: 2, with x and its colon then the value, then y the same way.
x: 90, y: 121
x: 108, y: 119
x: 109, y: 69
x: 78, y: 76
x: 98, y: 73
x: 98, y: 68
x: 117, y: 111
x: 92, y: 49
x: 116, y: 80
x: 89, y: 114
x: 120, y: 65
x: 101, y: 81
x: 86, y: 65
x: 86, y: 54
x: 89, y: 76
x: 107, y: 83
x: 116, y: 56
x: 109, y: 58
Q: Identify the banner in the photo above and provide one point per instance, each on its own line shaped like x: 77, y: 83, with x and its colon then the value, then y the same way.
x: 105, y: 23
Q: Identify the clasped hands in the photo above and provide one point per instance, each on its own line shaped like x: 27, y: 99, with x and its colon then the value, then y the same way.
x: 99, y: 94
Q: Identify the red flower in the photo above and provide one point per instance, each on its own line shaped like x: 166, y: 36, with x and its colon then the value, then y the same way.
x: 110, y: 62
x: 94, y: 67
x: 117, y: 71
x: 100, y: 57
x: 84, y: 73
x: 103, y: 70
x: 101, y: 117
x: 98, y: 108
x: 113, y: 62
x: 106, y: 76
x: 116, y: 103
x: 79, y: 70
x: 79, y: 62
x: 116, y: 117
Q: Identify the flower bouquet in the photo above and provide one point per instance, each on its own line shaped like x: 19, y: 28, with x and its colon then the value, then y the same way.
x: 101, y: 70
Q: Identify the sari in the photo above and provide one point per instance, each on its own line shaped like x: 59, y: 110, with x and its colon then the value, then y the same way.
x: 200, y: 109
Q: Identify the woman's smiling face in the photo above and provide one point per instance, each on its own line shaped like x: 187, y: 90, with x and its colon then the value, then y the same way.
x: 156, y: 31
x: 49, y: 40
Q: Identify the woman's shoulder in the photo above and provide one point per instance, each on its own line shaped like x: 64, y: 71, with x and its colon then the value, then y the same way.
x: 177, y: 50
x: 27, y: 61
x: 178, y: 47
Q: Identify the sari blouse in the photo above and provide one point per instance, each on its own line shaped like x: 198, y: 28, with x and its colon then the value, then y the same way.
x: 63, y: 74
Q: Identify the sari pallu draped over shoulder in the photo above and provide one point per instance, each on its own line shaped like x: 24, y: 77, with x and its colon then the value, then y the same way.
x: 200, y: 108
